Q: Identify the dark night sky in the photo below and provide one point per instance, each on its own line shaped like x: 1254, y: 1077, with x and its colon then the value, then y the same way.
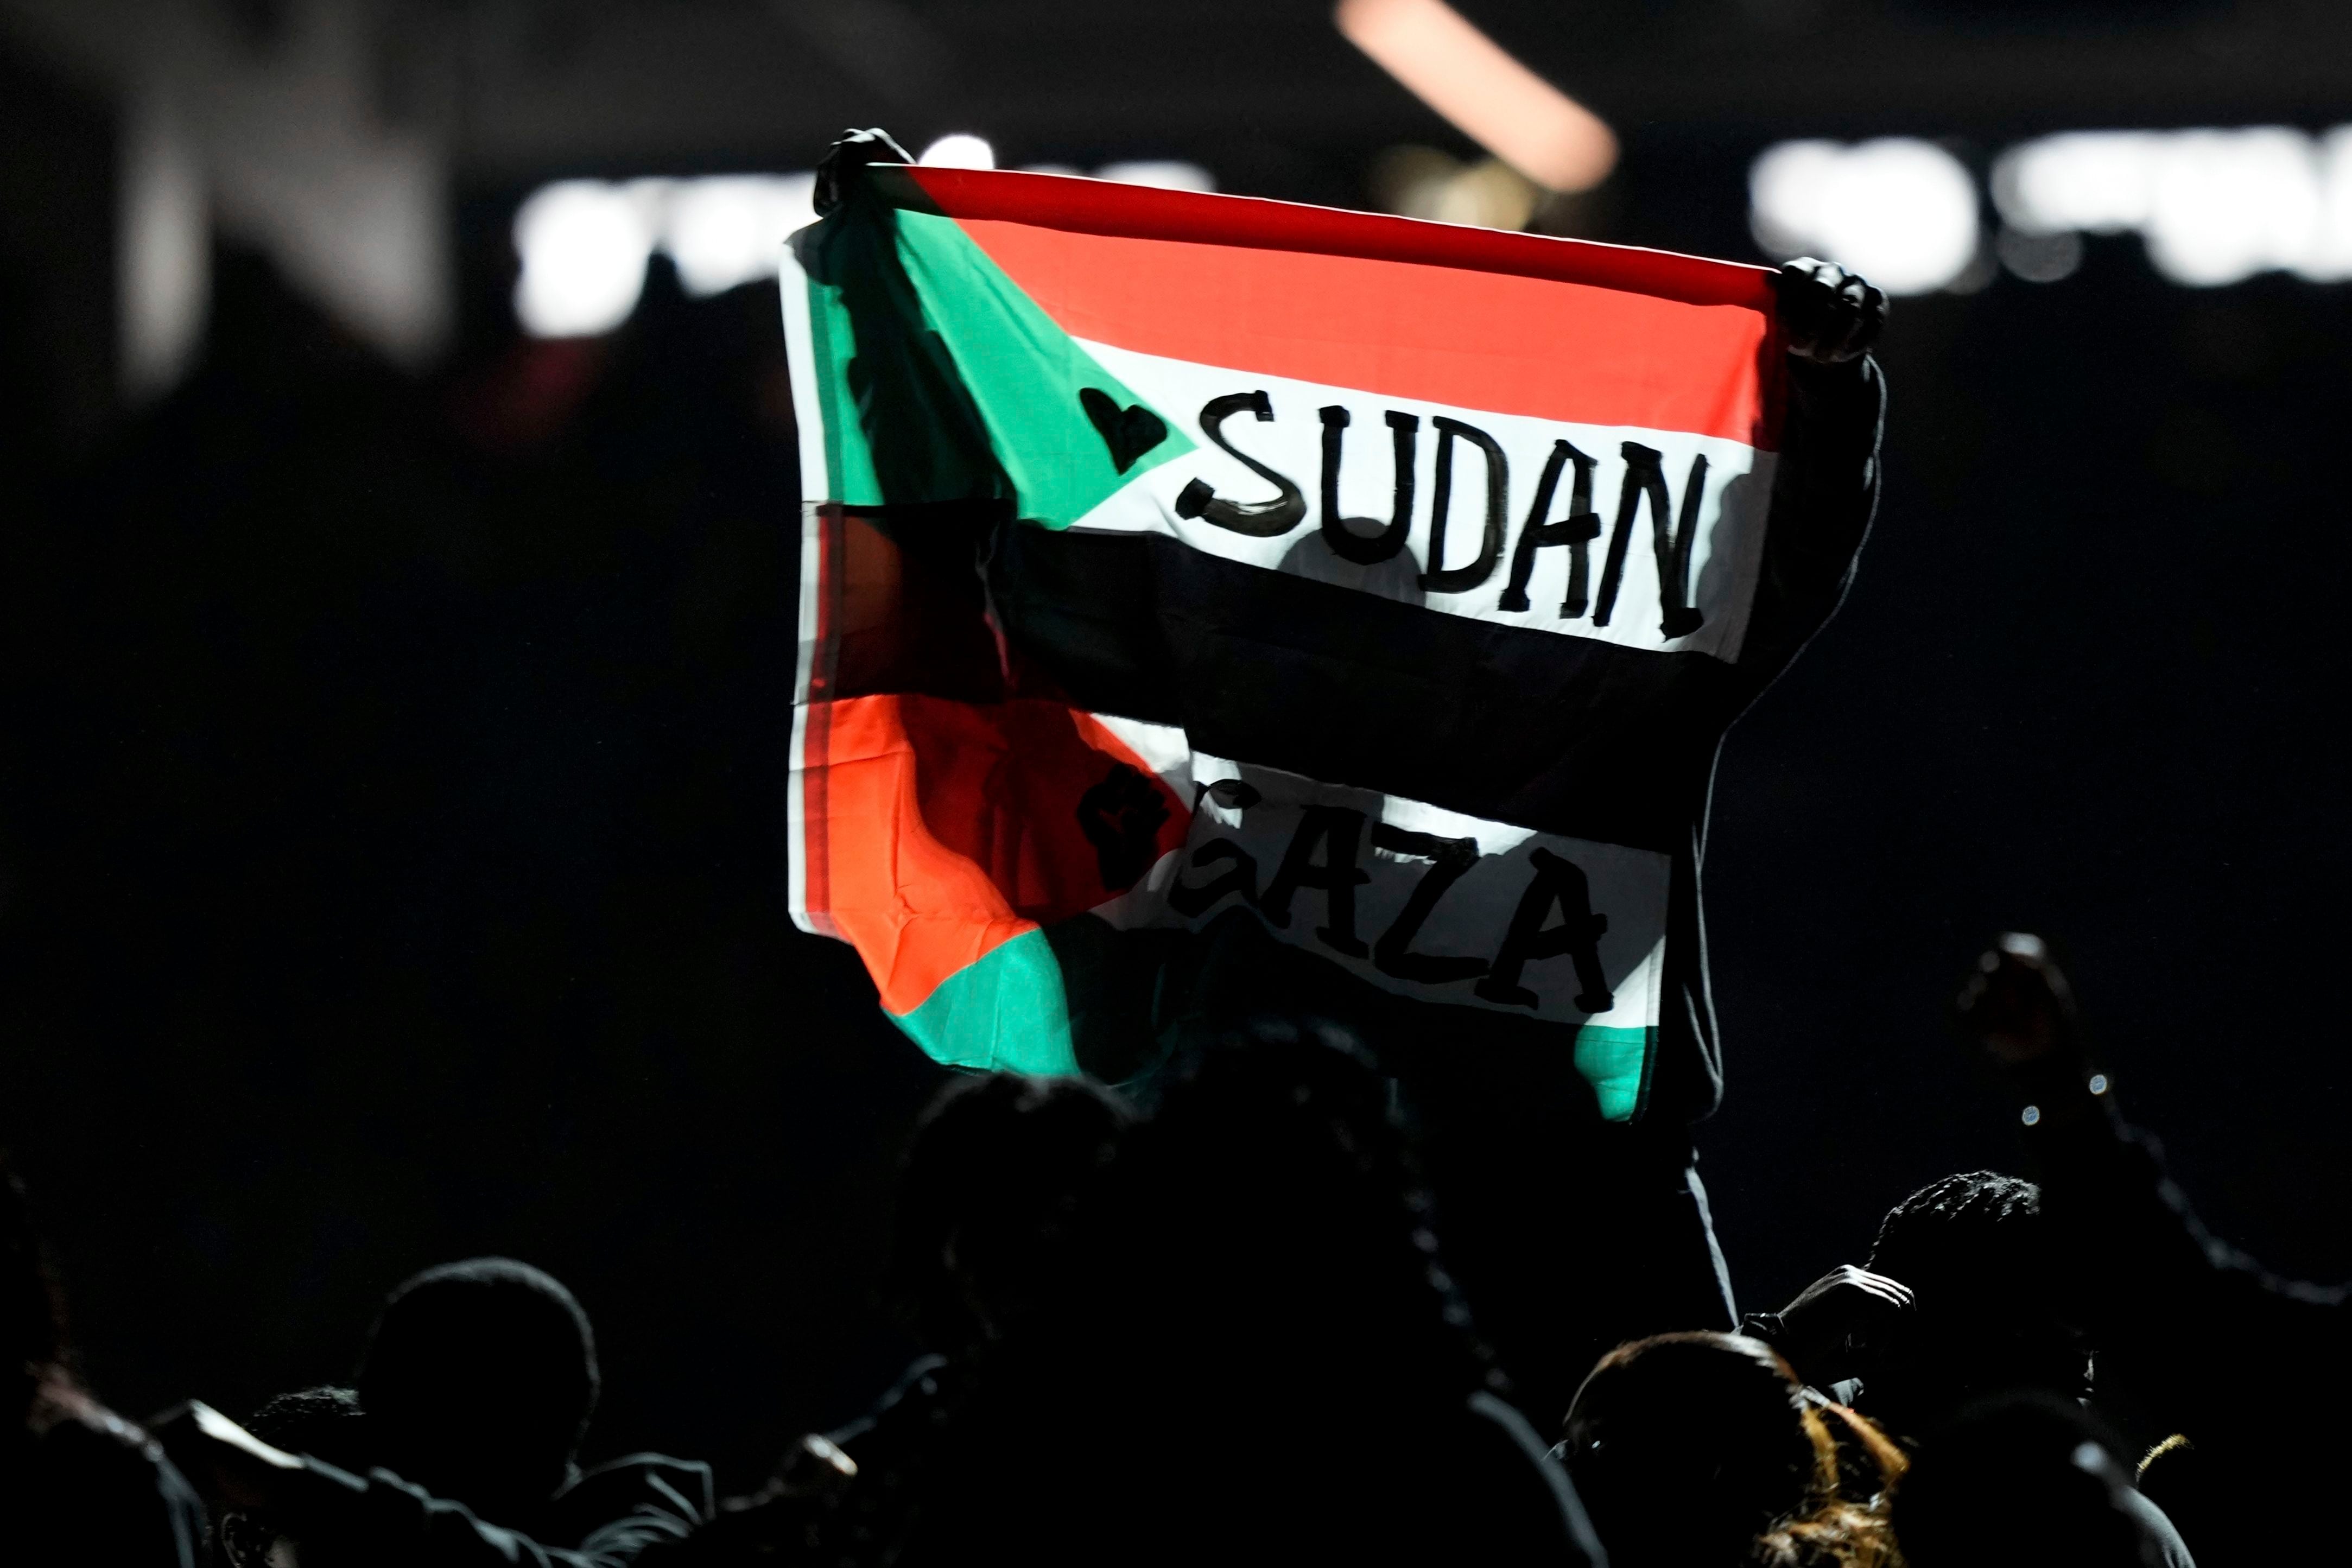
x: 392, y: 832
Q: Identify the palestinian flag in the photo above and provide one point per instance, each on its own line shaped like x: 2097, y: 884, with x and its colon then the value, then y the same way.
x: 1207, y: 602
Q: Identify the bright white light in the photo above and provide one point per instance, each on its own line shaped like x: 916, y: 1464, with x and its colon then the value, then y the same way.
x: 1167, y: 173
x: 729, y: 230
x: 2099, y: 182
x: 1785, y: 189
x: 959, y: 151
x: 2215, y: 206
x: 583, y: 245
x: 163, y: 252
x: 2331, y: 257
x: 1902, y: 213
x: 2230, y: 204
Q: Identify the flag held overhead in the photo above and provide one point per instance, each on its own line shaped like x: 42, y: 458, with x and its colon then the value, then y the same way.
x: 1204, y: 597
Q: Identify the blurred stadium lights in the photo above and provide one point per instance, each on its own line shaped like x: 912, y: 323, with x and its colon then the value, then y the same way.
x: 1488, y: 96
x: 584, y: 243
x: 1167, y: 173
x: 1423, y: 182
x: 726, y: 230
x: 959, y: 149
x: 1900, y: 211
x: 162, y: 254
x: 2214, y: 206
x: 2038, y: 257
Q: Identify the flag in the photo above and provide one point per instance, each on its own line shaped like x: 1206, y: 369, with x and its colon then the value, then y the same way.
x: 1204, y: 597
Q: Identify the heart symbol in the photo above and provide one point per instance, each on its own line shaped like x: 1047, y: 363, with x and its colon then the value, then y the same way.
x: 1129, y: 432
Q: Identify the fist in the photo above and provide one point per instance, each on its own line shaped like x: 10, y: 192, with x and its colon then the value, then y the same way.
x: 1830, y: 315
x: 223, y: 1459
x: 2017, y: 1002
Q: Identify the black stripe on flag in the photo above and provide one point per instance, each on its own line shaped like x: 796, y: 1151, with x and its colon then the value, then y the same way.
x: 1563, y: 734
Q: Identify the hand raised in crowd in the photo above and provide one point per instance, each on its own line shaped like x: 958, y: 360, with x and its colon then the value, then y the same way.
x: 1828, y: 1332
x: 223, y: 1459
x: 1830, y: 315
x: 2017, y: 1003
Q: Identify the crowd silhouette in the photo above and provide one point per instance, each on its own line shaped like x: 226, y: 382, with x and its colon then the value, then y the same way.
x: 1261, y: 1308
x: 1217, y: 1327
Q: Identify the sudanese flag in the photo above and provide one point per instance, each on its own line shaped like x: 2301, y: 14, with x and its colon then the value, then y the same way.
x: 1206, y: 599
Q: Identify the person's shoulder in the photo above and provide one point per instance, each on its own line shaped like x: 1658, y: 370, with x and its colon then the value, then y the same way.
x: 80, y: 1437
x: 2171, y: 1552
x: 1536, y: 1508
x: 89, y: 1466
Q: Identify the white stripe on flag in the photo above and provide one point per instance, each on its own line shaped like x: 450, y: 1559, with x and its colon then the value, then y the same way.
x: 1719, y: 575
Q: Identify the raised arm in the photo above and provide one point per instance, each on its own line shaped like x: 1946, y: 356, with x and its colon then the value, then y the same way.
x: 1826, y: 489
x: 379, y: 1517
x: 2143, y: 1269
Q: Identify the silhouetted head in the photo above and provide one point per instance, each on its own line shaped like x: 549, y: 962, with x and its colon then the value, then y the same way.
x: 324, y: 1423
x: 478, y: 1383
x: 2024, y: 1480
x: 1688, y: 1446
x: 1975, y: 1251
x: 1285, y: 1221
x: 991, y: 1197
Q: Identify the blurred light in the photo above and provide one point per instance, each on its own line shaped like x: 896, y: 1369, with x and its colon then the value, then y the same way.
x: 1488, y: 194
x: 583, y: 245
x: 2040, y: 257
x: 2214, y: 206
x: 2331, y: 257
x: 1902, y: 213
x: 1407, y: 180
x: 1978, y: 275
x: 1423, y: 182
x: 959, y: 151
x: 1491, y: 97
x: 163, y: 256
x: 729, y: 230
x: 1168, y: 174
x: 2099, y: 182
x: 2230, y: 204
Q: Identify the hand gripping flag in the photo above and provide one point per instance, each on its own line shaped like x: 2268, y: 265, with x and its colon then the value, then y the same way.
x: 1208, y: 602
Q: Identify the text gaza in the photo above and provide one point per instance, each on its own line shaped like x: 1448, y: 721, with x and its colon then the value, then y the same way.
x: 1338, y: 833
x: 1643, y: 487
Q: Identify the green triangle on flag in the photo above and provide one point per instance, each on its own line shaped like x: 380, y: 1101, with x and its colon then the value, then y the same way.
x: 988, y: 395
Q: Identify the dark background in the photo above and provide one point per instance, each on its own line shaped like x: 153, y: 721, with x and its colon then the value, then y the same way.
x: 390, y: 851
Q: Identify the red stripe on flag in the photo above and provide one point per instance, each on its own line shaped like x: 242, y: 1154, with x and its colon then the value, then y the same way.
x: 1468, y: 340
x: 1476, y: 318
x: 1140, y: 211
